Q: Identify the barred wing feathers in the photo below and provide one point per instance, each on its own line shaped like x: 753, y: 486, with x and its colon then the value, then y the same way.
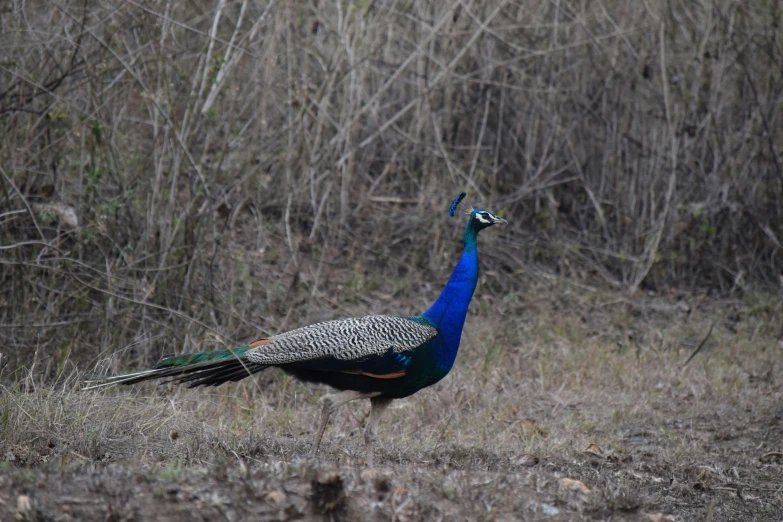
x: 345, y: 339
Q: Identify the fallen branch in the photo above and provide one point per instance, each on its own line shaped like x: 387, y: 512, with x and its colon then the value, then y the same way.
x: 701, y: 345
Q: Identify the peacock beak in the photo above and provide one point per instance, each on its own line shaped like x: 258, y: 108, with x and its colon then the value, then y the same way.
x: 499, y: 220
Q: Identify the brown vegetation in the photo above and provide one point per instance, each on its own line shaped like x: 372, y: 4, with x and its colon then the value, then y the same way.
x: 179, y: 176
x: 208, y: 160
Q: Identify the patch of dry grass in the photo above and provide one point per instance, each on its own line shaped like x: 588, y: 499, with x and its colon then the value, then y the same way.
x: 548, y: 396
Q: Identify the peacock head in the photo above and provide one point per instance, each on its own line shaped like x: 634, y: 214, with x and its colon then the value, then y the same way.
x: 479, y: 218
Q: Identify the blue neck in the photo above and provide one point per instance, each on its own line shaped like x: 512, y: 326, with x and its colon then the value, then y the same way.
x: 449, y: 311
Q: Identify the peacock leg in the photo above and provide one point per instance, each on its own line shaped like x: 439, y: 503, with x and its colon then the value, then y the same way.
x: 378, y: 405
x: 331, y: 403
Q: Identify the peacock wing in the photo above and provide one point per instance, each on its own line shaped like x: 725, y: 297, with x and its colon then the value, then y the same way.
x: 345, y: 339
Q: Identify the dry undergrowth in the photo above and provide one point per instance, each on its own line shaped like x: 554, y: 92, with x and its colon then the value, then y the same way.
x: 178, y: 175
x: 168, y: 170
x: 534, y: 415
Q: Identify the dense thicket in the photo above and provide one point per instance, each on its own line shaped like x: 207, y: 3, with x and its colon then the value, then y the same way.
x: 174, y: 170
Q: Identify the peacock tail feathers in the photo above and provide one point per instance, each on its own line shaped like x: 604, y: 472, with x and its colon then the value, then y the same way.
x: 197, y: 369
x: 187, y: 359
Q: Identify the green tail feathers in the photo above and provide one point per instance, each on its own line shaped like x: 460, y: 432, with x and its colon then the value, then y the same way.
x: 187, y: 359
x: 195, y: 369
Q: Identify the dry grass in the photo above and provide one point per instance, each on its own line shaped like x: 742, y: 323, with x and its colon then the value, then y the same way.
x: 597, y: 395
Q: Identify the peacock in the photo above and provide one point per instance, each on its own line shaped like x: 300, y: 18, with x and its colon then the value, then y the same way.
x: 376, y: 357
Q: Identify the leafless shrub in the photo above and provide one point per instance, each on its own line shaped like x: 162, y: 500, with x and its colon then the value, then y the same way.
x: 227, y: 162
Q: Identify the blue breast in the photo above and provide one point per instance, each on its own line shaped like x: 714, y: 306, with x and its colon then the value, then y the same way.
x: 448, y: 312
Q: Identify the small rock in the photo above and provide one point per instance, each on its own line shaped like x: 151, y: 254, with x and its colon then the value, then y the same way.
x: 595, y: 449
x: 574, y: 485
x: 64, y: 214
x: 24, y: 508
x: 530, y: 428
x: 658, y: 517
x: 527, y: 460
x: 277, y: 499
x: 370, y: 474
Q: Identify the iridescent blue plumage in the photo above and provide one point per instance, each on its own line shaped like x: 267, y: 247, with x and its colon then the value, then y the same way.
x: 455, y: 203
x: 380, y: 357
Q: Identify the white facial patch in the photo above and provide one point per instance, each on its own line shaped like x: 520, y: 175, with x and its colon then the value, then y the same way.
x: 480, y: 217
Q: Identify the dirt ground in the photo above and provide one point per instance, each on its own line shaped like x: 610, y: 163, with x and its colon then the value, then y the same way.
x: 577, y: 407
